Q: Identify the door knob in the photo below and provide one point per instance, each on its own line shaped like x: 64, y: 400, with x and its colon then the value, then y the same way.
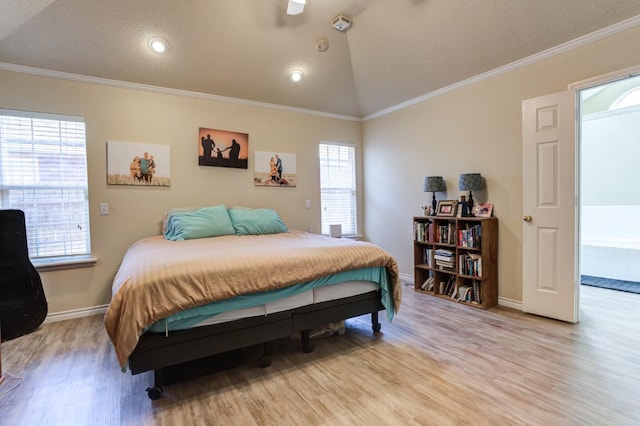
x: 527, y: 218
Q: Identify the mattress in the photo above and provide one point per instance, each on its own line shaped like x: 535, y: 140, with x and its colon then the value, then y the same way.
x: 323, y: 294
x: 332, y: 287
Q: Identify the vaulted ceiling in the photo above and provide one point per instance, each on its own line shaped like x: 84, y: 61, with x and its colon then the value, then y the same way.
x: 394, y: 51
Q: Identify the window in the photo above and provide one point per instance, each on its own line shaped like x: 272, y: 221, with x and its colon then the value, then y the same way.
x: 630, y: 98
x: 338, y: 187
x: 43, y: 171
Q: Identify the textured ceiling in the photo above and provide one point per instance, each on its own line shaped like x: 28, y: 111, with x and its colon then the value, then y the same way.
x: 395, y: 50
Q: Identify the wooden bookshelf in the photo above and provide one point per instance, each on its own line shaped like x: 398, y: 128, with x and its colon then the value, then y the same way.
x: 460, y: 257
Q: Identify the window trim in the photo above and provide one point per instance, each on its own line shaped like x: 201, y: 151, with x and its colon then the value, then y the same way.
x: 64, y: 262
x: 354, y: 189
x: 59, y: 261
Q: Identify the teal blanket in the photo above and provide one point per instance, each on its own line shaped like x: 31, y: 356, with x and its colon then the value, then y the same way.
x: 189, y: 318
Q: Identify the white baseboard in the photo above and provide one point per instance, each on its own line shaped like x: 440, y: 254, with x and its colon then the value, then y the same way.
x: 406, y: 278
x: 76, y: 313
x: 101, y: 310
x: 510, y: 303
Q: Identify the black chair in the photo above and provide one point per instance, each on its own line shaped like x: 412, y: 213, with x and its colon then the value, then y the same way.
x: 23, y: 306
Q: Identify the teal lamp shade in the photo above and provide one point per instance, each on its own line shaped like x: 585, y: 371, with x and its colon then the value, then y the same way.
x: 434, y: 184
x: 470, y: 182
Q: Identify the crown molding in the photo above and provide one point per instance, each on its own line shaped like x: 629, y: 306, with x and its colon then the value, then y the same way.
x: 164, y: 90
x: 540, y: 56
x: 545, y: 54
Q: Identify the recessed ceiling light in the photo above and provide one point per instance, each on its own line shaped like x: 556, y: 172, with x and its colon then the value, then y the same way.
x: 158, y: 45
x: 296, y: 75
x: 295, y: 7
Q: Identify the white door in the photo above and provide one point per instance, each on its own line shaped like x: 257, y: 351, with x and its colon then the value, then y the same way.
x: 549, y: 265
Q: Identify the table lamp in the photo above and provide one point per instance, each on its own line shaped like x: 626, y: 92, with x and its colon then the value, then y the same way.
x: 434, y: 184
x: 470, y: 182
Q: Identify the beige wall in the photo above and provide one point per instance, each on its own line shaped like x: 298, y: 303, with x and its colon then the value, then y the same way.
x: 474, y: 129
x: 144, y: 117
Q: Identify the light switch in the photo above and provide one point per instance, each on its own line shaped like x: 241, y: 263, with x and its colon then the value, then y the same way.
x: 307, y: 204
x: 104, y: 208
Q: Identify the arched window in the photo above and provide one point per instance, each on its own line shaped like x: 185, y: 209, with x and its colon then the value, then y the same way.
x: 630, y: 98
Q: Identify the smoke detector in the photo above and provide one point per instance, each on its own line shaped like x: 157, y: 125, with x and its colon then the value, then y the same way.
x: 322, y: 45
x: 341, y: 23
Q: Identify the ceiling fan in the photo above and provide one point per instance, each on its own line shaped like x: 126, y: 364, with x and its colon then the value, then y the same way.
x: 295, y: 7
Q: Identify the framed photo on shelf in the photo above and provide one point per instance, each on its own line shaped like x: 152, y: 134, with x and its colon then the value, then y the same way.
x: 447, y: 208
x: 483, y: 210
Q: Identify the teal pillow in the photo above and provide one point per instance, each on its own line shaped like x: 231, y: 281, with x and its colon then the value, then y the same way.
x: 256, y: 221
x: 200, y: 223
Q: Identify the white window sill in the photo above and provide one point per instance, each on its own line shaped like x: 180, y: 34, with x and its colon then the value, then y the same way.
x: 43, y: 265
x: 356, y: 237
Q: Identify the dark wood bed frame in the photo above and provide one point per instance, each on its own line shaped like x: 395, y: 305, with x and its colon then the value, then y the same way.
x: 156, y: 351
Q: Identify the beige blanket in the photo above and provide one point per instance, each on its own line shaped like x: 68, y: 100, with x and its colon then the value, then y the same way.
x: 158, y: 278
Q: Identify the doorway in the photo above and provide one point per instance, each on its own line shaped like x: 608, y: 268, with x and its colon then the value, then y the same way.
x: 552, y: 198
x: 609, y: 149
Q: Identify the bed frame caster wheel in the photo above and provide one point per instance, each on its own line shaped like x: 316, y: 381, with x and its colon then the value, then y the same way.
x: 376, y: 327
x: 264, y: 362
x: 267, y: 350
x: 155, y: 392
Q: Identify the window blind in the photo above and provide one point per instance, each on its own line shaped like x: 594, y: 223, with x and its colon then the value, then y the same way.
x: 338, y: 187
x: 43, y: 172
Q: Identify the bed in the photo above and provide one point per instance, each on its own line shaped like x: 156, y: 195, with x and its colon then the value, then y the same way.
x: 178, y: 301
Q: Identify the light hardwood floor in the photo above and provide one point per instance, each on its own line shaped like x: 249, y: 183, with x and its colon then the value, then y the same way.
x: 438, y: 363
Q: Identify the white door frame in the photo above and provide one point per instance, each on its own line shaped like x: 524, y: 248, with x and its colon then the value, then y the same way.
x: 606, y: 78
x: 575, y: 88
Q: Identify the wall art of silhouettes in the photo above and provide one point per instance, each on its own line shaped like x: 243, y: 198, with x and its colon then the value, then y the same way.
x: 222, y: 148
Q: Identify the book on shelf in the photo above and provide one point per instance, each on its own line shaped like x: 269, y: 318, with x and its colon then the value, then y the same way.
x: 445, y: 259
x: 427, y: 258
x: 448, y: 288
x: 428, y: 284
x: 454, y: 292
x: 470, y: 236
x: 475, y: 285
x: 470, y: 264
x: 422, y: 232
x: 445, y: 234
x: 465, y: 293
x: 444, y: 252
x: 445, y: 267
x: 418, y: 232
